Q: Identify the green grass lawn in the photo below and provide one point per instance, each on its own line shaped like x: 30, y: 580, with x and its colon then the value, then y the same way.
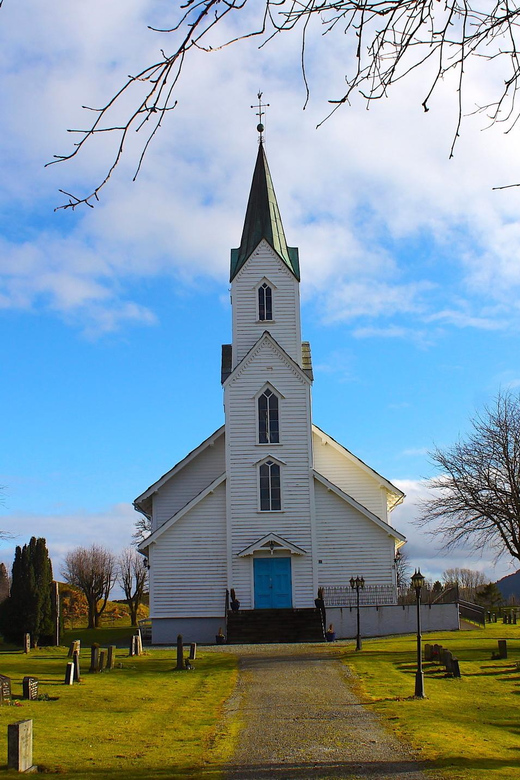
x: 467, y: 728
x: 142, y: 720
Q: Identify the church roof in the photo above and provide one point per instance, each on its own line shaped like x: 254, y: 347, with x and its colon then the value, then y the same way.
x: 263, y: 220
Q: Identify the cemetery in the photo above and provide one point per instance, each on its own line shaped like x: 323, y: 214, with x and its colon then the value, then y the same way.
x: 137, y: 711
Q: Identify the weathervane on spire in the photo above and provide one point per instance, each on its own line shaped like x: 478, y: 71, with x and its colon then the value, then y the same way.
x: 260, y: 113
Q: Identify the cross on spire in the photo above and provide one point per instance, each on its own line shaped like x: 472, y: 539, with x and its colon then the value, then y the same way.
x: 260, y: 113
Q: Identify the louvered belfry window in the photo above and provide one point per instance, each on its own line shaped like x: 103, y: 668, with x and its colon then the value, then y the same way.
x: 268, y: 427
x: 270, y: 494
x: 265, y: 302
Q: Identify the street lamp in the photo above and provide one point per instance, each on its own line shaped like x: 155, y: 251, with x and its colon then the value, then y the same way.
x: 417, y: 583
x: 356, y: 584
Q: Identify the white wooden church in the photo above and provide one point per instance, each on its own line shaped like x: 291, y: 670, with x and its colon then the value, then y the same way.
x: 269, y: 507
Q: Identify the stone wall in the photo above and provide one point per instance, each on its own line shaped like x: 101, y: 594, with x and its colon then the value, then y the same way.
x: 382, y: 621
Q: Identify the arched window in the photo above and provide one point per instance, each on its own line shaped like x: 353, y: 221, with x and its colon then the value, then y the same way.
x: 270, y: 495
x: 268, y: 427
x: 265, y: 302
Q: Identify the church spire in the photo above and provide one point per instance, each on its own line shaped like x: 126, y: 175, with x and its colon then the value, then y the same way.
x: 263, y: 221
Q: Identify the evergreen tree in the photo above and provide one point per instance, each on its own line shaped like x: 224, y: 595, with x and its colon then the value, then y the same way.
x: 29, y: 607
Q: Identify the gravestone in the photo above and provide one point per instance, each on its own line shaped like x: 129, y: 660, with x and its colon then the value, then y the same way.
x: 139, y: 642
x: 94, y: 658
x: 193, y: 651
x: 5, y: 688
x: 30, y: 688
x: 102, y: 660
x: 27, y: 643
x: 180, y: 657
x: 502, y: 648
x: 74, y: 645
x: 494, y: 617
x: 75, y: 663
x: 455, y: 667
x: 19, y: 745
x: 448, y: 661
x: 111, y: 657
x: 69, y: 673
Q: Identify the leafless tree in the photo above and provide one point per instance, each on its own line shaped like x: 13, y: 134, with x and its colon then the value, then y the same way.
x: 133, y: 578
x: 476, y: 499
x: 384, y: 42
x: 143, y: 528
x: 468, y: 580
x: 402, y: 570
x: 93, y: 571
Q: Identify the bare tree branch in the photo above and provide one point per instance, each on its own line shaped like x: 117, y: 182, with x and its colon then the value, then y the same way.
x: 392, y: 38
x: 477, y: 493
x: 133, y: 578
x: 93, y: 571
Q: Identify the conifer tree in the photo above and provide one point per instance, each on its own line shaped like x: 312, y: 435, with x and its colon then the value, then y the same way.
x: 29, y: 606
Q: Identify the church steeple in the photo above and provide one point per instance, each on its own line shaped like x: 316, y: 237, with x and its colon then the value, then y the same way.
x: 263, y: 220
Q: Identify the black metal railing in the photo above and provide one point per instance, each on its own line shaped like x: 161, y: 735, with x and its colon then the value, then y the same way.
x: 369, y: 596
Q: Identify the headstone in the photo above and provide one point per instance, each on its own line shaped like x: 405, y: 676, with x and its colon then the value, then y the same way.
x: 139, y: 641
x: 427, y: 652
x: 448, y: 661
x: 75, y: 662
x: 502, y: 648
x: 5, y: 688
x: 111, y: 657
x: 27, y: 643
x: 19, y: 745
x: 30, y: 688
x: 69, y: 673
x: 180, y: 657
x: 455, y: 667
x: 132, y: 650
x: 94, y: 658
x: 494, y: 617
x: 102, y: 660
x: 74, y: 645
x: 193, y: 651
x: 436, y: 652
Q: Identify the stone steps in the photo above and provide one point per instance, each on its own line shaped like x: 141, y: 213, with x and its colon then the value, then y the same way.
x: 266, y: 626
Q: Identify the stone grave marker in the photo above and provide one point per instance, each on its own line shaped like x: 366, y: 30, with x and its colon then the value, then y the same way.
x: 94, y: 658
x: 111, y: 657
x: 456, y: 667
x: 102, y: 660
x: 27, y: 643
x: 30, y: 688
x: 502, y: 648
x: 5, y: 688
x: 427, y: 652
x: 69, y: 673
x: 74, y: 645
x: 193, y: 651
x: 180, y: 649
x: 75, y: 663
x: 448, y: 661
x: 139, y: 641
x: 19, y: 746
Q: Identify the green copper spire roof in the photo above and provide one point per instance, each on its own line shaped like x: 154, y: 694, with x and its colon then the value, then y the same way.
x: 263, y: 221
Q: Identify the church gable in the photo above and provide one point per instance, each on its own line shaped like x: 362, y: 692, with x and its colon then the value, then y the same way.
x: 276, y: 310
x: 189, y: 563
x: 353, y: 476
x: 350, y: 543
x: 184, y: 481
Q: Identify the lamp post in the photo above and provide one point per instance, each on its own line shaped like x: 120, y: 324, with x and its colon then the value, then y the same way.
x: 417, y: 583
x: 356, y: 584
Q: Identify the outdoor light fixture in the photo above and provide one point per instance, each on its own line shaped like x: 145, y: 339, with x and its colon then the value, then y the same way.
x: 356, y: 584
x: 417, y: 584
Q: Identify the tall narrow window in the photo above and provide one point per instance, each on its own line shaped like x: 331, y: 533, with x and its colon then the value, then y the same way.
x: 268, y: 428
x: 270, y: 496
x: 265, y: 302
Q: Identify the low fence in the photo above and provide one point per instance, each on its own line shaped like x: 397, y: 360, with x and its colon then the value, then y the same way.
x: 369, y: 596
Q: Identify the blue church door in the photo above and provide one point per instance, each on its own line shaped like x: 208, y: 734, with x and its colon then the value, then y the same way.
x: 273, y: 585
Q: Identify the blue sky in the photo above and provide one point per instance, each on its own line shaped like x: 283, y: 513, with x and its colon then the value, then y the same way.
x: 111, y: 319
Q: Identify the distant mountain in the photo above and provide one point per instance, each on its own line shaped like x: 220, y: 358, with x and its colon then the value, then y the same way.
x: 510, y: 585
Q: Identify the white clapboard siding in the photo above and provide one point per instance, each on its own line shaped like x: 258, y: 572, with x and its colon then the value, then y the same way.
x: 189, y: 481
x: 248, y: 524
x: 350, y: 544
x: 285, y: 326
x: 344, y: 472
x: 189, y: 562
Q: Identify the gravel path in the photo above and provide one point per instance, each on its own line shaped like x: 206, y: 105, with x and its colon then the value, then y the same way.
x: 301, y: 720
